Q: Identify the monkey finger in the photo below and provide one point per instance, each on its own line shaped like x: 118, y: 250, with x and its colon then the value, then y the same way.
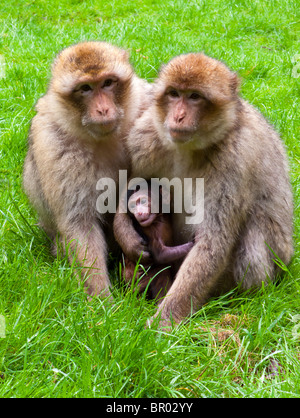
x: 146, y: 257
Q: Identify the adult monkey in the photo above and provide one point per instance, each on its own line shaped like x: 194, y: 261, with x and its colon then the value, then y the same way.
x: 198, y: 127
x: 76, y: 139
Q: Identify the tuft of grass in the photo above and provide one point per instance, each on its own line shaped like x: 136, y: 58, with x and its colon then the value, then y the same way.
x: 57, y: 344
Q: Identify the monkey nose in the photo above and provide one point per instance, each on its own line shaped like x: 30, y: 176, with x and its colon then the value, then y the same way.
x: 143, y: 215
x: 103, y: 111
x: 180, y: 118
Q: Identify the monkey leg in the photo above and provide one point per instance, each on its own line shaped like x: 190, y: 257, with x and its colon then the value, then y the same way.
x: 156, y: 280
x: 252, y: 261
x: 90, y: 250
x: 195, y: 282
x: 166, y: 255
x: 131, y: 273
x: 128, y: 270
x: 161, y: 284
x: 33, y: 189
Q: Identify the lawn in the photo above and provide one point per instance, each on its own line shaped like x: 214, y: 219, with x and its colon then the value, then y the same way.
x: 53, y: 342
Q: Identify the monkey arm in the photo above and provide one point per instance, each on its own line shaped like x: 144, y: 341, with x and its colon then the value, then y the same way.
x: 193, y: 284
x: 201, y: 270
x: 87, y: 245
x: 165, y: 255
x: 131, y: 243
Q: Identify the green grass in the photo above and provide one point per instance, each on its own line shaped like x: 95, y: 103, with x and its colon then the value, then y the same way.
x: 59, y: 345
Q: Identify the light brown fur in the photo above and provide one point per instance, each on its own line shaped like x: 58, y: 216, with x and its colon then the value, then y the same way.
x: 77, y: 138
x: 248, y: 199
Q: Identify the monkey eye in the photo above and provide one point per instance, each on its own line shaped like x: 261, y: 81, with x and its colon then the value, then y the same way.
x: 108, y: 82
x: 195, y: 96
x: 173, y: 93
x: 131, y: 206
x: 85, y: 87
x: 144, y: 201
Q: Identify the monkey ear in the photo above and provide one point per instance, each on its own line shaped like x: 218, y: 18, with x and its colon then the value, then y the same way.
x: 235, y: 83
x: 162, y: 67
x: 220, y: 94
x: 125, y: 54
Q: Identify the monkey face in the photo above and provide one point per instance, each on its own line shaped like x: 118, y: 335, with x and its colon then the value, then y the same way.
x: 92, y: 81
x: 184, y: 111
x: 140, y: 206
x: 98, y: 105
x: 194, y: 96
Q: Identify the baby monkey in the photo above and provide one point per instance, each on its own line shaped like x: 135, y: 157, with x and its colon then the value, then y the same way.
x: 155, y: 227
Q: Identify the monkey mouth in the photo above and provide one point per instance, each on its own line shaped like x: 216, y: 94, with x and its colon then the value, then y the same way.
x: 148, y: 220
x: 102, y: 128
x: 107, y: 130
x: 180, y: 135
x: 107, y: 125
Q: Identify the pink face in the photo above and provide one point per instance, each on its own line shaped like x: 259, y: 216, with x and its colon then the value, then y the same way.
x: 184, y: 111
x: 98, y: 101
x: 139, y: 205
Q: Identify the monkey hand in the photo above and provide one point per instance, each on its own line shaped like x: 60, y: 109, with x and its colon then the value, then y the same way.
x: 136, y: 249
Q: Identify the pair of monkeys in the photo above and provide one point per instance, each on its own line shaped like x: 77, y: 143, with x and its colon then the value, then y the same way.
x: 98, y: 117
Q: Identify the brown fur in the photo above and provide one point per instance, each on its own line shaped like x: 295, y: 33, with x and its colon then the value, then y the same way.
x: 248, y: 199
x: 75, y: 139
x: 157, y: 276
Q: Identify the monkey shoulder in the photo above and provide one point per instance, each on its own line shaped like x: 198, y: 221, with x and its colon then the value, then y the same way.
x: 145, y: 99
x: 250, y: 142
x: 262, y: 132
x: 146, y: 149
x: 143, y: 132
x: 138, y: 100
x: 250, y: 167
